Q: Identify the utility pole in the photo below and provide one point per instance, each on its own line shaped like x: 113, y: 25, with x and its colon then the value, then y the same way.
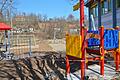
x: 10, y: 12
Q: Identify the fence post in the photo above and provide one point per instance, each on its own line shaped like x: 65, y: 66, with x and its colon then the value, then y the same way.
x: 5, y: 41
x: 30, y: 49
x: 9, y: 41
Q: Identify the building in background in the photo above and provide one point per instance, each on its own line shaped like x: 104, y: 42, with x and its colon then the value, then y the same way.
x: 25, y: 23
x: 104, y: 12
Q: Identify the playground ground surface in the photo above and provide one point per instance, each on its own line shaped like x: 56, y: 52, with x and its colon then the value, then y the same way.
x: 42, y: 64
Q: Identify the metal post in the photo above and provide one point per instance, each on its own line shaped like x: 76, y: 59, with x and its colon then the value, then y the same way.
x: 11, y: 23
x: 117, y: 61
x: 114, y: 13
x: 102, y: 50
x: 99, y: 13
x: 5, y: 41
x: 54, y: 37
x: 82, y: 38
x: 86, y: 45
x: 83, y: 56
x: 67, y: 66
x: 30, y: 53
x: 9, y: 42
x: 11, y: 13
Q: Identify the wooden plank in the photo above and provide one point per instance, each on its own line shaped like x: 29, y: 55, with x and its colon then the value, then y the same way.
x: 76, y: 7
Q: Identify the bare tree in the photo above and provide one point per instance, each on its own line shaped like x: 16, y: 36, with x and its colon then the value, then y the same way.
x: 70, y: 18
x: 45, y: 18
x: 3, y: 6
x: 7, y: 8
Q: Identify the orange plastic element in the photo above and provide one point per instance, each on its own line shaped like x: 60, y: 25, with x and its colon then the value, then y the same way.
x: 86, y: 60
x: 67, y: 65
x: 102, y: 57
x: 91, y: 35
x: 73, y: 46
x: 100, y: 50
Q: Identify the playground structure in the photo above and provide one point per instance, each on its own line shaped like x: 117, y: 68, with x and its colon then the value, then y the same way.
x: 100, y: 42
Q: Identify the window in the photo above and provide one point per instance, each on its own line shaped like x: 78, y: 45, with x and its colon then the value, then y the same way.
x: 105, y: 6
x: 109, y: 5
x: 94, y: 11
x: 102, y: 8
x: 97, y: 10
x: 118, y: 3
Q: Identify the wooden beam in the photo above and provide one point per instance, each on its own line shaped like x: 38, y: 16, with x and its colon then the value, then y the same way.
x: 76, y: 7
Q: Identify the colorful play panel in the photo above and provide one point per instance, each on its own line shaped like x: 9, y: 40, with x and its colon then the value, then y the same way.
x: 101, y: 42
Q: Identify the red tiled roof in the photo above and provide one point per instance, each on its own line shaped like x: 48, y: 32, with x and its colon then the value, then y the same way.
x: 72, y: 26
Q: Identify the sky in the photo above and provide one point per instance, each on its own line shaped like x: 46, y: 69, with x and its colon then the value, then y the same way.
x: 51, y: 8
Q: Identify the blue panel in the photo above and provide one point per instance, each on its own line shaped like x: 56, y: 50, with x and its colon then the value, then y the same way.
x: 94, y: 32
x: 110, y: 39
x: 93, y: 42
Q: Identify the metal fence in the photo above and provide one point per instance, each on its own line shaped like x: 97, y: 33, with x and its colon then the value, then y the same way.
x: 21, y: 43
x: 16, y: 43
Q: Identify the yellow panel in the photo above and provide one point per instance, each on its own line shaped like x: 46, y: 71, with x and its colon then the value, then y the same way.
x: 73, y: 46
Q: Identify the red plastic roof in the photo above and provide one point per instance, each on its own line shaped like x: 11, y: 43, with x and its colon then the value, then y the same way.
x: 4, y: 26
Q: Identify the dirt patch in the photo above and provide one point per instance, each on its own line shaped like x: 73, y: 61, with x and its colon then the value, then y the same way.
x: 39, y: 47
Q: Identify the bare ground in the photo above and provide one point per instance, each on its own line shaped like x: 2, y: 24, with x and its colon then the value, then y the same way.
x: 34, y: 68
